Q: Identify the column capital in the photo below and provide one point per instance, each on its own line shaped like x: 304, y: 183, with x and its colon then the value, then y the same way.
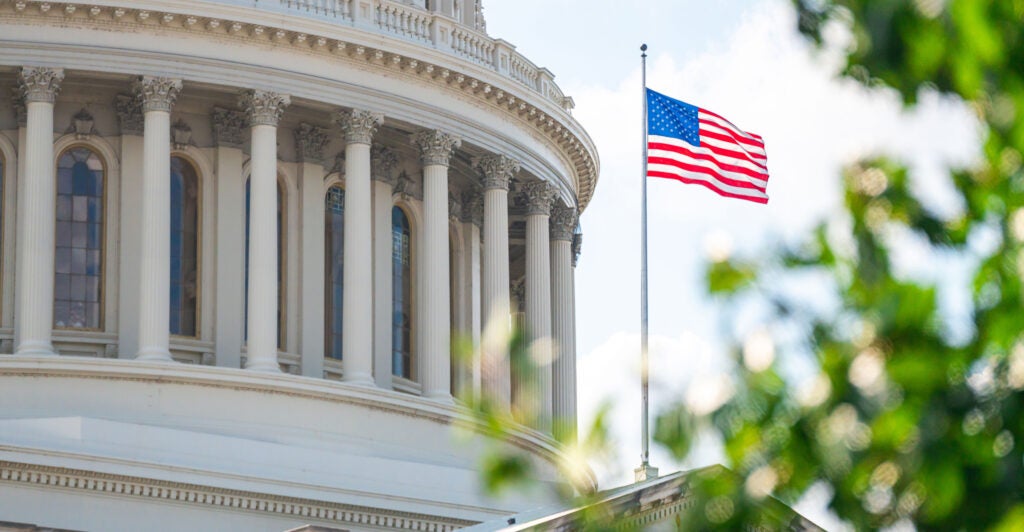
x: 473, y: 208
x: 382, y: 165
x: 228, y: 125
x: 129, y: 114
x: 263, y: 108
x: 309, y: 143
x: 358, y: 125
x: 40, y: 84
x: 563, y: 222
x: 497, y: 171
x: 155, y: 93
x: 435, y: 146
x: 539, y: 196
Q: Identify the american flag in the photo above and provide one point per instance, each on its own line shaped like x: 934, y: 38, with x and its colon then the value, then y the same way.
x: 694, y: 145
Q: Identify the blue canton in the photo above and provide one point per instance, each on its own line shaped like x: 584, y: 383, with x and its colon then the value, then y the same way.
x: 672, y: 118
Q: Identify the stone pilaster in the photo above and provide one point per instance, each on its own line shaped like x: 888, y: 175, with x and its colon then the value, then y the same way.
x: 436, y: 148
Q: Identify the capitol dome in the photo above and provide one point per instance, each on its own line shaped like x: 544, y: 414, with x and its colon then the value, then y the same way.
x: 242, y: 244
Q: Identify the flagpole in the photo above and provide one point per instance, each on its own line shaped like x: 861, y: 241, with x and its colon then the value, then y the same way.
x: 645, y: 471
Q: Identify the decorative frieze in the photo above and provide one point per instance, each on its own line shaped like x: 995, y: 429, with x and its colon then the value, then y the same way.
x: 496, y: 171
x: 563, y: 222
x: 310, y: 141
x: 435, y: 146
x: 473, y: 207
x: 358, y: 125
x: 382, y: 165
x: 228, y: 127
x: 538, y: 197
x: 156, y: 93
x: 40, y: 84
x: 263, y: 108
x: 129, y: 114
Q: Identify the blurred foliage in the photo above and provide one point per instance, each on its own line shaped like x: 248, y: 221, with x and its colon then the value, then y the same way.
x: 907, y: 420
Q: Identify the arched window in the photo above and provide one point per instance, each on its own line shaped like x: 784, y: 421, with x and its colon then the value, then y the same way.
x: 78, y: 280
x: 401, y: 271
x: 184, y: 247
x: 280, y: 263
x: 334, y: 265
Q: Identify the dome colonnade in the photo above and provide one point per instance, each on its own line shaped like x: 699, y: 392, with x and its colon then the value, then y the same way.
x: 240, y: 220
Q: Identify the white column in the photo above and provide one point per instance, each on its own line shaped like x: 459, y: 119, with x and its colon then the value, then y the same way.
x: 382, y: 164
x: 539, y: 195
x: 357, y: 300
x: 495, y: 370
x: 36, y: 220
x: 435, y: 150
x: 264, y: 109
x: 563, y: 327
x: 228, y: 133
x: 157, y: 96
x: 309, y: 145
x: 466, y: 296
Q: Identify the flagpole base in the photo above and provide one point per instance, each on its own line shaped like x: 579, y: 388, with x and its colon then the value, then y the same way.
x: 645, y: 472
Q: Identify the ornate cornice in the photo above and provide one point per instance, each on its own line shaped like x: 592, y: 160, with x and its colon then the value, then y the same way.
x: 435, y: 146
x: 129, y: 114
x: 358, y: 125
x: 496, y: 171
x: 228, y: 127
x: 309, y: 143
x: 382, y: 165
x: 538, y: 196
x: 263, y: 108
x: 155, y: 93
x: 473, y: 208
x: 40, y: 84
x: 135, y: 487
x: 563, y: 222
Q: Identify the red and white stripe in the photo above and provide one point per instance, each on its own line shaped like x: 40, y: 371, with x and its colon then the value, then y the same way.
x: 729, y: 160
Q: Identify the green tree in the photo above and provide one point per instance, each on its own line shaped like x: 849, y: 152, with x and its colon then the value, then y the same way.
x: 906, y: 420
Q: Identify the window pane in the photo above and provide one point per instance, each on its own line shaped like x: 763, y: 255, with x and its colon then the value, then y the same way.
x: 79, y: 242
x: 401, y: 330
x: 334, y: 250
x: 184, y: 238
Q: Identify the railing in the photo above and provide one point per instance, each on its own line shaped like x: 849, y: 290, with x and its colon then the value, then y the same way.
x: 398, y: 19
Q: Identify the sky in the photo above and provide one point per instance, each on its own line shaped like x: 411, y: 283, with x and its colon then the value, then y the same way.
x: 744, y: 60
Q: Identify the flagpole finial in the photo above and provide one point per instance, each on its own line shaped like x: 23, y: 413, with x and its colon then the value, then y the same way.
x: 643, y: 47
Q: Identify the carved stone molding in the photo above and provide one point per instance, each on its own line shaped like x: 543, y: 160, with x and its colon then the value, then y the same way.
x: 228, y: 126
x: 563, y: 222
x: 82, y: 124
x: 263, y: 108
x: 538, y: 197
x: 454, y: 207
x: 435, y: 146
x: 407, y: 188
x: 181, y: 135
x: 135, y: 487
x: 155, y: 93
x: 358, y: 125
x: 577, y: 248
x: 20, y: 111
x: 309, y: 143
x: 382, y: 165
x: 40, y: 84
x: 129, y: 114
x: 339, y: 164
x: 473, y: 208
x: 497, y: 171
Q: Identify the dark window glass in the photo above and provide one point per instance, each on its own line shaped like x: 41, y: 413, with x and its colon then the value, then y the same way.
x: 401, y: 283
x: 77, y: 284
x: 280, y: 265
x: 334, y: 256
x: 184, y: 247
